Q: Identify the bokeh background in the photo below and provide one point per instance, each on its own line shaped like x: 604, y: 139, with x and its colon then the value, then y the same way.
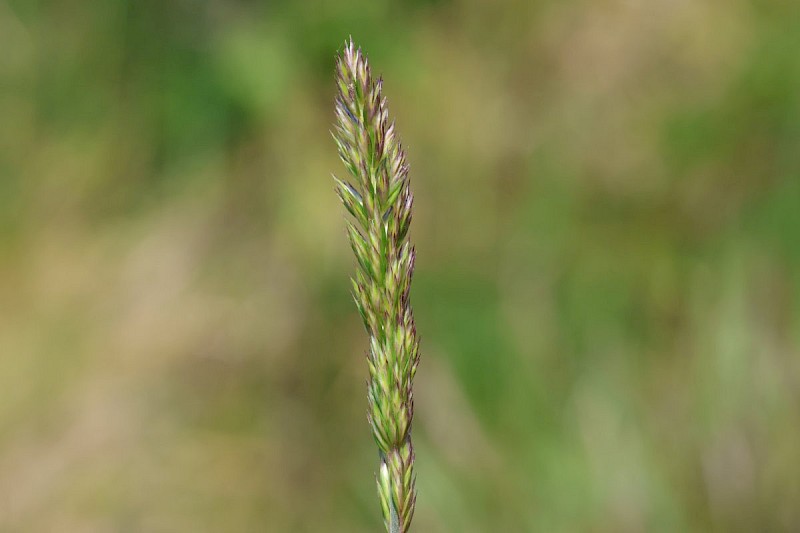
x: 607, y: 222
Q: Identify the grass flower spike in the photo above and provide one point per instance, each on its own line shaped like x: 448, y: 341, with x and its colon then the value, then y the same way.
x: 379, y: 199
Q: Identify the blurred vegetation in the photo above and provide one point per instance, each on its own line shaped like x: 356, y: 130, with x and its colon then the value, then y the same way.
x: 607, y: 290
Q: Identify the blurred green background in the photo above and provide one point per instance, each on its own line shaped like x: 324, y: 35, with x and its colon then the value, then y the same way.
x: 607, y: 222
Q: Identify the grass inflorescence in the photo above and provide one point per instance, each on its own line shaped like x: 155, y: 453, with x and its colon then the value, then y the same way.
x: 380, y: 200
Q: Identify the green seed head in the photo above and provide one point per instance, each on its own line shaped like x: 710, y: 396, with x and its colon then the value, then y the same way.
x: 380, y: 200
